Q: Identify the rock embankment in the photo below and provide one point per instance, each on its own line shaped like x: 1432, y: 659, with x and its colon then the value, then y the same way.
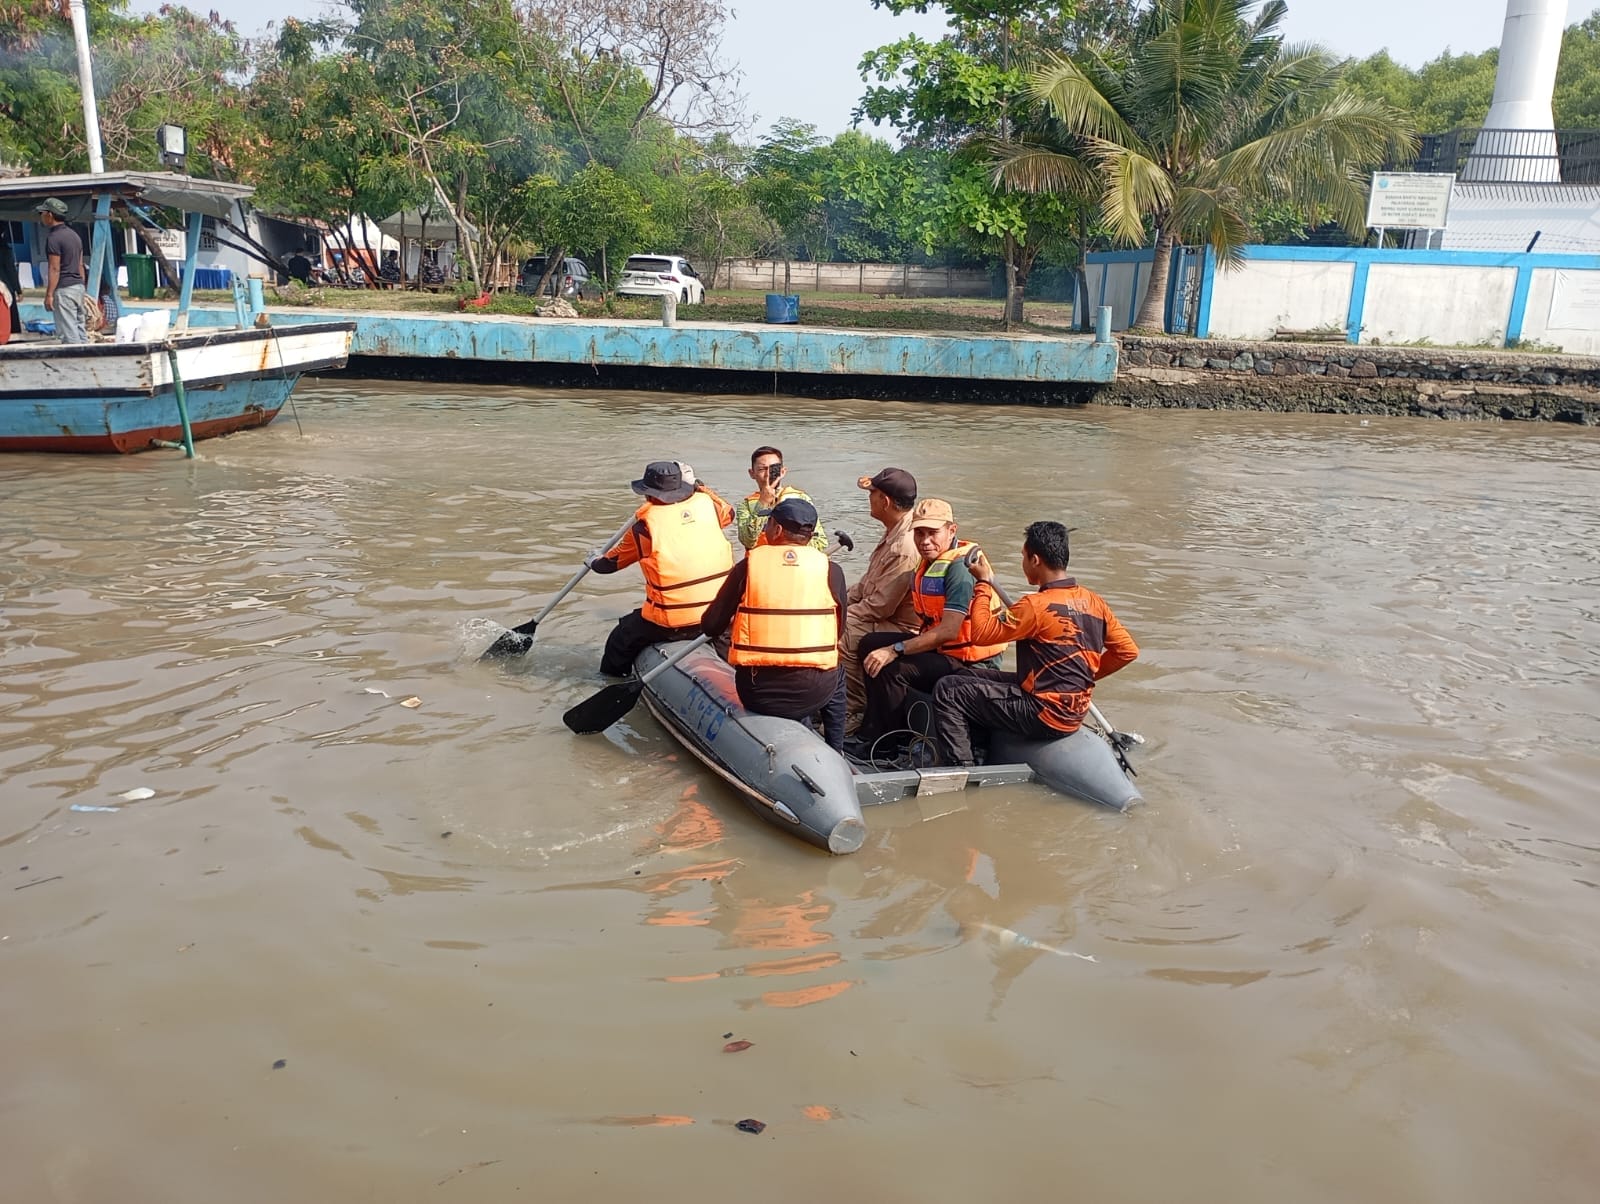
x: 1339, y: 378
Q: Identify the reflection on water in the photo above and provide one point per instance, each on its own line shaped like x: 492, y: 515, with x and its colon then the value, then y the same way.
x: 1346, y: 951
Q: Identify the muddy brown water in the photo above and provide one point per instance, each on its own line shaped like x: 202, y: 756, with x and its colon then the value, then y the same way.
x: 1349, y: 949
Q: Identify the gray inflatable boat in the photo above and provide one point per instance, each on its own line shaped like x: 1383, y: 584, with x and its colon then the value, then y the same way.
x: 786, y: 773
x: 789, y: 776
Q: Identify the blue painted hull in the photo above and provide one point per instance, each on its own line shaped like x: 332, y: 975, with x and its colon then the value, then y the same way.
x: 130, y: 424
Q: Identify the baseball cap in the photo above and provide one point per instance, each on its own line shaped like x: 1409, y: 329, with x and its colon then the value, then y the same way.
x: 797, y: 514
x: 53, y: 205
x: 931, y: 512
x: 898, y: 484
x: 665, y: 481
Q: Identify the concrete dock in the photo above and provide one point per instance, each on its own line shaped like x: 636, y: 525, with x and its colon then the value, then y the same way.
x: 494, y: 346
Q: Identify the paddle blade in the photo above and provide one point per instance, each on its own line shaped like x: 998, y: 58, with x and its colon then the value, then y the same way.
x: 511, y: 643
x: 600, y: 711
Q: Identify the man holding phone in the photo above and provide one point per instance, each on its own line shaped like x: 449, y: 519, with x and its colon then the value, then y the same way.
x: 751, y: 514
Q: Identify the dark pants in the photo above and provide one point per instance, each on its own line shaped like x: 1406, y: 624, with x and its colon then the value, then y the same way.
x: 986, y: 698
x: 631, y: 636
x: 796, y: 693
x: 889, y: 693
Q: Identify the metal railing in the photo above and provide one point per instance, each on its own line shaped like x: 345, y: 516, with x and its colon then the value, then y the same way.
x: 1513, y: 156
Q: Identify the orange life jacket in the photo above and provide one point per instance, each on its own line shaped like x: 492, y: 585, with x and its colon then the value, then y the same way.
x: 927, y: 595
x: 689, y: 557
x: 788, y: 615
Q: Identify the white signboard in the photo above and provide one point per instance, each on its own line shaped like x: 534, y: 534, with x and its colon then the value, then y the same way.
x: 173, y: 245
x: 1410, y: 200
x: 1575, y: 301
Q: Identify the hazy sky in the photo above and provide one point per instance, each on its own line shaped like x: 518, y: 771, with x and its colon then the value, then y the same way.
x: 799, y: 56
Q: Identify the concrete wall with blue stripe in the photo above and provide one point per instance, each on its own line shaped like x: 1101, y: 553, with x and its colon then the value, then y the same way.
x: 1372, y: 295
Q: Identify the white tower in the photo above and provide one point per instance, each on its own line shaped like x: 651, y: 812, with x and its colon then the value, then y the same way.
x: 1518, y: 140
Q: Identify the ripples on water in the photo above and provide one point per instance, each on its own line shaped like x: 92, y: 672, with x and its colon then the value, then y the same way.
x: 1347, y: 950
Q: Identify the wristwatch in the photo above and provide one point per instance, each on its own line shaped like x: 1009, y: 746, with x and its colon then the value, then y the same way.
x: 900, y: 648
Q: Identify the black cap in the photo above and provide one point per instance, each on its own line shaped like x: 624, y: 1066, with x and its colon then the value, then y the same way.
x: 795, y: 514
x: 895, y: 483
x: 665, y: 481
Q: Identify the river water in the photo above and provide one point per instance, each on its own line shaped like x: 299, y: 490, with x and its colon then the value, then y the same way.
x: 1348, y: 950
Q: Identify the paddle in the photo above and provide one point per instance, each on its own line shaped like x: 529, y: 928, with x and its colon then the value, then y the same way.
x: 518, y: 640
x: 1120, y: 741
x: 600, y: 711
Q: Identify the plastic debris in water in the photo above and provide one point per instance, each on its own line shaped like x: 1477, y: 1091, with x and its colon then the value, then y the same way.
x: 1015, y: 940
x: 92, y: 807
x: 280, y: 1063
x: 737, y: 1046
x: 413, y: 702
x: 375, y: 690
x: 137, y: 793
x: 749, y: 1125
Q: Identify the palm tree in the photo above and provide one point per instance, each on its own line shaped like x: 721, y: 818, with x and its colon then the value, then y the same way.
x: 1201, y: 116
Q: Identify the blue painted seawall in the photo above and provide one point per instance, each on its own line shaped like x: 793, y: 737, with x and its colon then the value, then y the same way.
x: 725, y: 347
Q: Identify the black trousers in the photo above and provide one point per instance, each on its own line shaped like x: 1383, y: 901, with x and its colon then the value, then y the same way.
x: 796, y: 693
x: 985, y: 698
x: 889, y: 693
x: 631, y: 636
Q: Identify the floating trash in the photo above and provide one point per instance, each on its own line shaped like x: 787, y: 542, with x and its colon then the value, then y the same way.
x: 137, y: 794
x: 92, y: 807
x: 749, y: 1125
x: 413, y: 702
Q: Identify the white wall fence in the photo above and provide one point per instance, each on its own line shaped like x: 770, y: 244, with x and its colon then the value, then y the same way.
x: 893, y: 279
x: 1368, y: 295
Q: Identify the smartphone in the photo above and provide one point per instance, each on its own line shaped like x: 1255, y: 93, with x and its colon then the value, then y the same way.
x: 773, y: 473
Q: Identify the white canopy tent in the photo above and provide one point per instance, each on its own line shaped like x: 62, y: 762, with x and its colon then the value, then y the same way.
x: 428, y: 225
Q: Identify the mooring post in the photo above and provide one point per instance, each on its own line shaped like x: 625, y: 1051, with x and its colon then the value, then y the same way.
x: 1102, y: 324
x: 669, y: 309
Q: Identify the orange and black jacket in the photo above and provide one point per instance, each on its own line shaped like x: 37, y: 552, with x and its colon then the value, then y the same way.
x: 679, y: 580
x: 1067, y: 639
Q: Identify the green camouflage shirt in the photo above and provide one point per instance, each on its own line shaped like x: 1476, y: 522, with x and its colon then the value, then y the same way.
x: 752, y: 518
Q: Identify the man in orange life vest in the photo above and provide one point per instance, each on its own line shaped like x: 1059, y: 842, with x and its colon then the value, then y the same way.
x: 678, y: 543
x: 942, y: 591
x: 786, y: 603
x: 1067, y: 639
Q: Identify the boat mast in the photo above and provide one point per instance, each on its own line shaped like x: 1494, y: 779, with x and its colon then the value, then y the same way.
x: 91, y: 111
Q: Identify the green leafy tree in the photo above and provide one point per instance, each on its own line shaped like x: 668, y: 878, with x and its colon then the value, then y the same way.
x: 969, y: 91
x: 1577, y: 96
x: 786, y: 185
x: 1205, y: 114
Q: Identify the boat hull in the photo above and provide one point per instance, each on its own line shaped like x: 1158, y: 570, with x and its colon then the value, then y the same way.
x: 783, y: 770
x: 122, y: 397
x: 1081, y: 765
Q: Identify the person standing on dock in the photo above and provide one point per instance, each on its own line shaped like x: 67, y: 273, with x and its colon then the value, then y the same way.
x: 1067, y: 639
x: 881, y: 600
x: 786, y: 602
x: 768, y: 472
x: 64, y: 293
x: 678, y: 544
x: 944, y: 594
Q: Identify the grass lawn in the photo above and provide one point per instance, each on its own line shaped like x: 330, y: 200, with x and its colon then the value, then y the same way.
x: 851, y: 310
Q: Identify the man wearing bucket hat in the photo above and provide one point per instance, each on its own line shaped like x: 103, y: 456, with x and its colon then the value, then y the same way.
x: 677, y: 542
x: 63, y: 287
x: 942, y: 592
x: 881, y: 600
x: 786, y: 604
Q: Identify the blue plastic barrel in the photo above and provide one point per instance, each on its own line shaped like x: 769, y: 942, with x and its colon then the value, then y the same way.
x: 783, y: 307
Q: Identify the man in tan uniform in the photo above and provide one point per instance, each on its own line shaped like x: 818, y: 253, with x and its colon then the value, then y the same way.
x: 881, y: 600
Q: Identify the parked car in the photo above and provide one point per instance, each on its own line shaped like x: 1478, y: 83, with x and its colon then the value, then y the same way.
x: 657, y: 275
x: 571, y: 281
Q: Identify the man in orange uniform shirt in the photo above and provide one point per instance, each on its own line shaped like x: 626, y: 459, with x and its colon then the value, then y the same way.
x: 1067, y: 639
